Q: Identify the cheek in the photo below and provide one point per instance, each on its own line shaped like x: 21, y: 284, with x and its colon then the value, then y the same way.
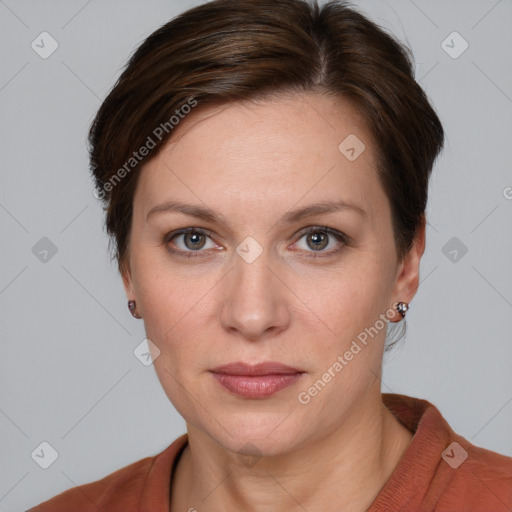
x: 178, y: 314
x: 343, y: 301
x: 167, y: 292
x: 346, y: 310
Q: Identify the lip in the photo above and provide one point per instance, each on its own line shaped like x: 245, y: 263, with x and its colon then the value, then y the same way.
x: 256, y: 381
x: 266, y: 368
x: 257, y: 386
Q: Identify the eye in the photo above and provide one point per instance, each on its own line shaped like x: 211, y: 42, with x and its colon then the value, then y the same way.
x: 318, y: 238
x: 193, y: 240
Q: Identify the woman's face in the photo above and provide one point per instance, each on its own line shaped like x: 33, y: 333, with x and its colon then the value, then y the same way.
x: 248, y: 288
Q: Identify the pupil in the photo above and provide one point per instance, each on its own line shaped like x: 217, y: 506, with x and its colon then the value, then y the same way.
x: 316, y: 237
x: 194, y: 237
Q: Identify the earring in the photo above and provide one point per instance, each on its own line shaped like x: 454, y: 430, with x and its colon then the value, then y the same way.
x: 131, y: 307
x: 402, y: 308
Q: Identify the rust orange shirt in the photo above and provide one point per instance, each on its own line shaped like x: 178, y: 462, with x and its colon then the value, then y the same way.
x: 439, y: 471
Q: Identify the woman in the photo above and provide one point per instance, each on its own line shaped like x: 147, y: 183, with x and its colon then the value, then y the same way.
x: 264, y: 167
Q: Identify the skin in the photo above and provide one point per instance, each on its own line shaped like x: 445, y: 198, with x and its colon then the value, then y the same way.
x: 252, y: 163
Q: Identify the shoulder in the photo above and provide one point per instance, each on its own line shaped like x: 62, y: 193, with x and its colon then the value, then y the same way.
x: 440, y: 469
x: 144, y: 483
x: 122, y: 487
x: 483, y: 477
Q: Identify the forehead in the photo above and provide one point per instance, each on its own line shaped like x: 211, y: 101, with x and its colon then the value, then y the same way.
x: 293, y: 125
x: 272, y: 153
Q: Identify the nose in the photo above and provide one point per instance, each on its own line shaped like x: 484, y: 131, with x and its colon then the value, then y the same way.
x: 256, y: 298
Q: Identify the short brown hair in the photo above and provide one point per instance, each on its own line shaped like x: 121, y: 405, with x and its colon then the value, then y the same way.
x: 233, y: 50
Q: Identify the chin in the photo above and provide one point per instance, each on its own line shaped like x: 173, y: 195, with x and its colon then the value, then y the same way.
x: 252, y: 435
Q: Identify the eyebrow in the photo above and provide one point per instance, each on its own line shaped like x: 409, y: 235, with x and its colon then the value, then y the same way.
x: 290, y: 217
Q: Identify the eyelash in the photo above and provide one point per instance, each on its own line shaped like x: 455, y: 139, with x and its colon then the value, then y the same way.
x: 340, y: 237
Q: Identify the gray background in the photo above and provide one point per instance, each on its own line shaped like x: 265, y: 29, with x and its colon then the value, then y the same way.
x: 68, y: 374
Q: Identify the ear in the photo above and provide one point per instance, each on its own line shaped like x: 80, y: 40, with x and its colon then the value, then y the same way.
x: 408, y: 275
x: 125, y: 271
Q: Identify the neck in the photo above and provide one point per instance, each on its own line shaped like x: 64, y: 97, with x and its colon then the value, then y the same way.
x: 345, y: 469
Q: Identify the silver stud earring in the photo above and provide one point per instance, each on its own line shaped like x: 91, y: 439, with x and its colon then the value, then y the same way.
x: 131, y: 307
x: 402, y: 308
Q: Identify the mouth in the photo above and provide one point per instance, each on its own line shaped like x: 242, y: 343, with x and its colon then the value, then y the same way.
x: 256, y: 381
x: 266, y: 368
